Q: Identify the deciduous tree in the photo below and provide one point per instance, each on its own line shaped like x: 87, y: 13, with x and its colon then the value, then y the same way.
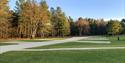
x: 4, y: 19
x: 34, y: 19
x: 83, y: 26
x: 114, y: 27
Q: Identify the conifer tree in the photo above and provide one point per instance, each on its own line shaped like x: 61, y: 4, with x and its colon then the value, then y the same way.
x: 60, y: 23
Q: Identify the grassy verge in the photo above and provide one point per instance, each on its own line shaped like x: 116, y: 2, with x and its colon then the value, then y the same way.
x: 32, y: 40
x: 1, y: 40
x: 2, y: 44
x: 93, y: 56
x: 40, y: 40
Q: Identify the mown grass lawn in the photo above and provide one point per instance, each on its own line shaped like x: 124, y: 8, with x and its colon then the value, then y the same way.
x: 88, y: 56
x: 115, y: 38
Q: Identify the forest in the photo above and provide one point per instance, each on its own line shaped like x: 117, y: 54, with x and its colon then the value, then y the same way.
x: 35, y: 20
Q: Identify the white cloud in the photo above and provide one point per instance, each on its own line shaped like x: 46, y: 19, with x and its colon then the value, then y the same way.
x: 119, y: 18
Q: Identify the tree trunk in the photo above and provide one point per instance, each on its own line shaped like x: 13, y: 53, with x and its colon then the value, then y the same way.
x: 34, y: 33
x: 35, y: 30
x: 80, y: 32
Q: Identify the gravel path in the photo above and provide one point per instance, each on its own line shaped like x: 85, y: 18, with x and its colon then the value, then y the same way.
x: 21, y: 46
x: 62, y: 49
x: 98, y: 42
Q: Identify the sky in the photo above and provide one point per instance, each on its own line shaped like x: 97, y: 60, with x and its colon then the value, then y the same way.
x: 107, y: 9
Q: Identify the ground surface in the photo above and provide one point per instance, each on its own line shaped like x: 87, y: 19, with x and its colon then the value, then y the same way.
x: 113, y: 52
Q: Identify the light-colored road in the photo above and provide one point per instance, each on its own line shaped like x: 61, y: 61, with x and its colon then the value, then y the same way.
x: 21, y: 46
x: 69, y: 49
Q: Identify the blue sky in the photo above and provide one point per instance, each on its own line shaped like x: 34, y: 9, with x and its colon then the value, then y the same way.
x: 107, y: 9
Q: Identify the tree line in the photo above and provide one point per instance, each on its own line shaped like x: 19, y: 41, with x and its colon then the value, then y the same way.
x: 89, y: 26
x: 32, y: 19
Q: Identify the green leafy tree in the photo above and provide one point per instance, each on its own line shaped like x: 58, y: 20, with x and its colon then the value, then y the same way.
x: 114, y: 27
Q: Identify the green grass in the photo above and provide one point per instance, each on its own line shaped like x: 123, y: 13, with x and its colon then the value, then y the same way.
x: 88, y: 56
x: 114, y: 38
x: 114, y: 43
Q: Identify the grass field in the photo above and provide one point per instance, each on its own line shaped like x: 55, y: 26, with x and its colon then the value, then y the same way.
x: 93, y: 56
x: 114, y: 38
